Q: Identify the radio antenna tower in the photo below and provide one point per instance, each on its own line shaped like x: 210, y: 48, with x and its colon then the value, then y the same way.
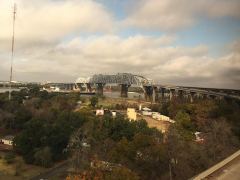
x: 12, y: 56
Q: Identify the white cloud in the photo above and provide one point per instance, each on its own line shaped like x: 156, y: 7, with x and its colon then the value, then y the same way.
x: 49, y: 46
x: 152, y: 57
x: 47, y: 21
x: 177, y: 14
x: 235, y: 46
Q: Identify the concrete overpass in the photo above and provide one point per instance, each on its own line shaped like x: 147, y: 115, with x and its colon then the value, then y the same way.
x: 228, y: 169
x: 195, y: 92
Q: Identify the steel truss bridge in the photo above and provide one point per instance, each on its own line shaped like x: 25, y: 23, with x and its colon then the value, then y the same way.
x: 151, y: 89
x: 120, y: 78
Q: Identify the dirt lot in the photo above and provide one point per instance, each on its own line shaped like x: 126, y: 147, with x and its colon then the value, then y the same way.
x: 108, y: 102
x: 25, y: 171
x: 111, y: 102
x: 160, y: 125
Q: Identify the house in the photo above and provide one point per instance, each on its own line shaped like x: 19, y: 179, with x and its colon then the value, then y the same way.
x: 54, y: 88
x: 99, y: 112
x: 155, y: 115
x: 131, y: 114
x: 146, y: 111
x: 7, y: 140
x: 199, y: 137
x: 160, y: 117
x: 79, y: 102
x: 114, y: 113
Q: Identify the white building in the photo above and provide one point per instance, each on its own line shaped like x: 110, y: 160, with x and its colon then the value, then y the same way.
x: 158, y: 116
x: 7, y: 140
x: 99, y: 112
x: 131, y: 114
x: 198, y: 137
x: 146, y: 111
x: 114, y: 113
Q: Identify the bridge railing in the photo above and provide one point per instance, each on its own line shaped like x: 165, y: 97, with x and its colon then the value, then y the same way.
x: 216, y: 167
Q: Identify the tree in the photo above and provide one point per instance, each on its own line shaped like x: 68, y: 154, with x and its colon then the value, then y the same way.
x: 6, y: 119
x: 18, y: 168
x: 120, y: 173
x: 34, y: 90
x: 9, y: 158
x: 30, y: 139
x: 23, y: 115
x: 164, y: 108
x: 43, y: 157
x: 184, y: 125
x: 178, y: 151
x: 219, y: 140
x: 94, y: 101
x: 44, y: 94
x: 123, y: 152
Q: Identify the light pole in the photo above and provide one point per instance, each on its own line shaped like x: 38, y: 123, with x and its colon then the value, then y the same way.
x: 13, y: 32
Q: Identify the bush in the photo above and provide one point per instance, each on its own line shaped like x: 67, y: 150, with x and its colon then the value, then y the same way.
x: 43, y: 157
x: 94, y: 101
x: 9, y: 158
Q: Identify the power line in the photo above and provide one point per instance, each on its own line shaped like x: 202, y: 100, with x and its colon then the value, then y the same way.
x: 12, y: 57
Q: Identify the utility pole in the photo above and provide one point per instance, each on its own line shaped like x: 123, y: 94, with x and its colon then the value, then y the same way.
x: 13, y: 32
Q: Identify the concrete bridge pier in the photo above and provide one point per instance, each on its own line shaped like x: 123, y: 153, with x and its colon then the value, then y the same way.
x: 64, y: 86
x: 89, y: 88
x: 172, y: 94
x: 80, y: 86
x: 148, y: 93
x: 204, y: 96
x: 124, y: 90
x: 69, y: 87
x: 211, y: 96
x: 192, y: 96
x: 155, y: 94
x: 163, y: 90
x: 75, y: 87
x: 198, y: 95
x: 99, y: 89
x: 72, y: 86
x: 220, y: 97
x: 180, y: 94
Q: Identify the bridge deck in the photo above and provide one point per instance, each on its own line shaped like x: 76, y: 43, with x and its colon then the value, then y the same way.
x: 227, y: 169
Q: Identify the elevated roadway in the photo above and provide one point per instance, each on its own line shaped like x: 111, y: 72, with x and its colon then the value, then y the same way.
x: 150, y: 88
x: 228, y: 169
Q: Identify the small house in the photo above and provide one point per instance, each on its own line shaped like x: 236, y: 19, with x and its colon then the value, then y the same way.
x: 131, y: 114
x: 199, y: 137
x: 99, y: 112
x: 146, y: 111
x: 7, y: 140
x: 114, y: 113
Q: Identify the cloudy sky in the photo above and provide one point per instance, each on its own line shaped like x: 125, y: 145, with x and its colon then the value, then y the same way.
x: 182, y: 42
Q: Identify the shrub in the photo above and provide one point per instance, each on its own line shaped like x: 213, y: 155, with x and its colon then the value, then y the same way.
x: 9, y: 158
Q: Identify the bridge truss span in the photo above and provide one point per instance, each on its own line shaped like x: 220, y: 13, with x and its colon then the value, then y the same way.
x: 150, y: 89
x: 120, y: 78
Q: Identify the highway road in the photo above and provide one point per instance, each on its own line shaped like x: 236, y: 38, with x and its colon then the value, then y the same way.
x: 230, y: 171
x: 227, y: 169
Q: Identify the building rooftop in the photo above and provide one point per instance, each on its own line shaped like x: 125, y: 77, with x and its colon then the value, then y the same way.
x: 8, y: 137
